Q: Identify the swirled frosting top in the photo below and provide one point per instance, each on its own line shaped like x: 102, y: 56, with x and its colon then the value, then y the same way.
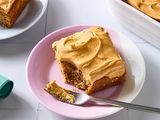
x: 92, y: 51
x: 149, y: 7
x: 6, y: 5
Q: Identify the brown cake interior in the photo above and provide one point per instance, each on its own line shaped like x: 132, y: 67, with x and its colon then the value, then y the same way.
x: 4, y: 19
x: 75, y: 77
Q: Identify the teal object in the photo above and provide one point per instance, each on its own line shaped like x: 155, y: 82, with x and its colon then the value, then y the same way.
x: 6, y: 86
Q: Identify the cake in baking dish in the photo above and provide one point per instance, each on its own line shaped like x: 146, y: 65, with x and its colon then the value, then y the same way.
x: 10, y: 10
x: 89, y: 61
x: 149, y: 7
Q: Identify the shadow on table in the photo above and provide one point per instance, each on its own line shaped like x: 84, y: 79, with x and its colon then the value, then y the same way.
x: 119, y: 115
x: 22, y: 43
x: 13, y: 50
x: 15, y: 107
x: 13, y: 102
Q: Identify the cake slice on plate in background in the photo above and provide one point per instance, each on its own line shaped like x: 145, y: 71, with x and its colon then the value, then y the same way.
x: 10, y: 11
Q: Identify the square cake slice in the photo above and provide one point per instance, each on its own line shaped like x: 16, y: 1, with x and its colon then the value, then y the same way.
x: 89, y: 61
x: 10, y: 10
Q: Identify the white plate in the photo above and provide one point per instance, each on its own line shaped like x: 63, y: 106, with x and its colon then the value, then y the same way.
x: 31, y: 14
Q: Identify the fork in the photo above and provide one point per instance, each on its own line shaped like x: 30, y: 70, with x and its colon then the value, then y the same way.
x: 82, y: 98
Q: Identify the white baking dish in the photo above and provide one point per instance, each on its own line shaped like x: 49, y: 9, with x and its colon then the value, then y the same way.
x: 136, y: 21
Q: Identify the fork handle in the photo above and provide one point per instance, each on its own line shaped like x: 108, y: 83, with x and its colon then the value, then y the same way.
x: 127, y: 105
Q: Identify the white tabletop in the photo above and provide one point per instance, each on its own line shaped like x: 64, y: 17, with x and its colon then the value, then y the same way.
x: 22, y: 104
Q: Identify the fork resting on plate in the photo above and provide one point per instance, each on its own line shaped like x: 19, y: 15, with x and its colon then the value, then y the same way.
x: 81, y: 99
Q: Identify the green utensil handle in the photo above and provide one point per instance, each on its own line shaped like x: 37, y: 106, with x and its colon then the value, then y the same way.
x: 6, y: 86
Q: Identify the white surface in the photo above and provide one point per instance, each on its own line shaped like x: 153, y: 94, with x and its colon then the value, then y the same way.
x: 31, y: 14
x: 22, y: 105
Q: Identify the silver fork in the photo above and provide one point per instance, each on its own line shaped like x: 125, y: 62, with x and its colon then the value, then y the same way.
x: 81, y: 99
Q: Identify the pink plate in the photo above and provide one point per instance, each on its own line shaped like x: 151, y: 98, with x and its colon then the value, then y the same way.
x: 42, y: 68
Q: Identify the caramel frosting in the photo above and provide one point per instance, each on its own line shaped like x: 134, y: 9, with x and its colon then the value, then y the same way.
x: 149, y: 7
x: 6, y: 5
x: 92, y: 51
